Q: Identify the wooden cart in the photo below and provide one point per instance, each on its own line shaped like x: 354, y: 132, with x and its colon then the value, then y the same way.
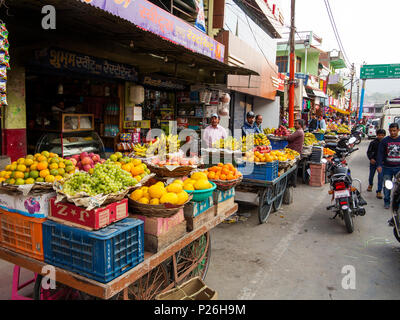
x: 185, y: 258
x: 270, y: 193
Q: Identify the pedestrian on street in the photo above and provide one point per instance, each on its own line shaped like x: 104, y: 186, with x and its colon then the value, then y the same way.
x: 214, y: 132
x: 312, y: 126
x: 250, y: 126
x: 322, y: 123
x: 372, y: 155
x: 296, y: 139
x: 389, y: 158
x: 259, y: 120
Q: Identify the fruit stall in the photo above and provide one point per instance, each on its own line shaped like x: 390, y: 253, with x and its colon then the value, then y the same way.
x: 116, y: 228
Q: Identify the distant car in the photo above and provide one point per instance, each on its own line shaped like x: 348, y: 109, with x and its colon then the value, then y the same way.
x: 372, y: 127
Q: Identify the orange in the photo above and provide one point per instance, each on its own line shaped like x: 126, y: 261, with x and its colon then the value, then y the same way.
x: 21, y: 167
x: 53, y: 166
x: 230, y: 176
x: 42, y: 165
x: 225, y: 171
x: 220, y: 164
x: 223, y: 177
x: 42, y: 158
x: 211, y: 175
x: 44, y: 173
x: 135, y: 171
x: 217, y: 176
x: 61, y: 165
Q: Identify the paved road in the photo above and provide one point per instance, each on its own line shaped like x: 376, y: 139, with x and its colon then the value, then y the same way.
x: 299, y: 253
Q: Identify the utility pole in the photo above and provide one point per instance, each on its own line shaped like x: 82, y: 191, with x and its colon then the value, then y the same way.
x: 351, y: 90
x: 291, y: 73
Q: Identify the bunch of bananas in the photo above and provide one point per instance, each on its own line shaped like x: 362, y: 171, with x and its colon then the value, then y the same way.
x: 173, y: 143
x: 343, y: 129
x: 291, y: 154
x: 309, y: 139
x: 140, y: 150
x: 269, y: 130
x: 251, y: 140
x: 229, y: 143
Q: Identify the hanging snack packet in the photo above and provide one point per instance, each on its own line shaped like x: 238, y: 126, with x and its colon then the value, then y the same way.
x: 4, y: 44
x: 3, y: 31
x: 3, y: 72
x: 3, y: 99
x: 3, y: 86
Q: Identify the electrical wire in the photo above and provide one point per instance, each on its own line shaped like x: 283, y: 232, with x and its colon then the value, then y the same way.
x: 336, y: 33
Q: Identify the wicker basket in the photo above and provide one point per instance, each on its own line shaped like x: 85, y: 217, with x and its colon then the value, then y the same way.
x: 36, y: 188
x: 225, y: 185
x: 161, y: 211
x: 179, y: 171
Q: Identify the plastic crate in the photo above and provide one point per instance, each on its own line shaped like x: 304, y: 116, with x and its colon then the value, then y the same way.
x: 264, y: 172
x: 278, y: 144
x: 101, y: 255
x: 22, y: 234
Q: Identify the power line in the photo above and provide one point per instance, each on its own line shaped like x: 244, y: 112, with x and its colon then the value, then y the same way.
x: 336, y: 33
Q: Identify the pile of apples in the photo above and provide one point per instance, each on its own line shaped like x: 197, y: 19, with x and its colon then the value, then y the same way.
x: 174, y: 161
x: 282, y: 131
x: 262, y: 149
x: 86, y: 161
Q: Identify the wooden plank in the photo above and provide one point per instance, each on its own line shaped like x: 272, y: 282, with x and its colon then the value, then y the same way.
x: 195, y: 222
x: 154, y: 243
x: 110, y: 289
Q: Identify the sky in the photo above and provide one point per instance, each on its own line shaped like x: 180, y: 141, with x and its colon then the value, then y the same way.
x: 368, y: 30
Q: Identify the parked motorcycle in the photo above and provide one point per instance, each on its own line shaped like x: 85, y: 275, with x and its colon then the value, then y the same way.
x: 395, y: 221
x: 357, y: 132
x: 348, y: 199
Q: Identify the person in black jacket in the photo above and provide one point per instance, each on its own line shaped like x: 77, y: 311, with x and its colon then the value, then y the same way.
x: 372, y: 154
x: 313, y: 124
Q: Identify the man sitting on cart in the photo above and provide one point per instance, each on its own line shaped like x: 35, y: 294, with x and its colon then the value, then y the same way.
x: 296, y: 139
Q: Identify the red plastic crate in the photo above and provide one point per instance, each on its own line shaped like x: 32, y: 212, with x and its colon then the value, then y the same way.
x: 68, y: 213
x: 22, y: 234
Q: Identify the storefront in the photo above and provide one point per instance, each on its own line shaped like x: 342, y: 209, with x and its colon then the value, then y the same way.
x: 89, y: 64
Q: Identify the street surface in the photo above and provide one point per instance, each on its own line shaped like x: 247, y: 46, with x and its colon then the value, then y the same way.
x: 299, y: 253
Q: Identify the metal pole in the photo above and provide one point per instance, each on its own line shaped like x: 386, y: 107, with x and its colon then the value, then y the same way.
x: 362, y: 100
x: 351, y: 90
x: 291, y: 74
x: 358, y: 95
x: 305, y: 63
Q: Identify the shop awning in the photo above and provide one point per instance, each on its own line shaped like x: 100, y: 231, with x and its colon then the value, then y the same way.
x: 155, y: 40
x: 316, y: 93
x: 339, y: 110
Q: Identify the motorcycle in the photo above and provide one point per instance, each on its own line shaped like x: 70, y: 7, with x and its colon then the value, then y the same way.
x: 395, y: 221
x: 357, y: 132
x: 348, y: 199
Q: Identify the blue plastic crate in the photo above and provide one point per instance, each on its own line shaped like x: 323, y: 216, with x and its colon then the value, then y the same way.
x: 277, y: 145
x: 319, y: 136
x: 264, y: 172
x: 101, y: 255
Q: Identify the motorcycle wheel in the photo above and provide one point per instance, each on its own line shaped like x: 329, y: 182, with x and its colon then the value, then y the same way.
x: 358, y: 141
x: 395, y: 234
x: 348, y: 220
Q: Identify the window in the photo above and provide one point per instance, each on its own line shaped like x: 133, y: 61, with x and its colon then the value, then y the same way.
x: 298, y: 64
x: 282, y: 63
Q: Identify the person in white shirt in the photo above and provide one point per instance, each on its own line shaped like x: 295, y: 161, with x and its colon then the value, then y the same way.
x: 322, y: 123
x: 214, y: 132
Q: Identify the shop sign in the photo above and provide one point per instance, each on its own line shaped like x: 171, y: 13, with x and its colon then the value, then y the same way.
x: 63, y: 60
x: 279, y: 82
x: 142, y: 124
x: 150, y: 17
x: 313, y: 82
x: 166, y: 84
x: 301, y: 76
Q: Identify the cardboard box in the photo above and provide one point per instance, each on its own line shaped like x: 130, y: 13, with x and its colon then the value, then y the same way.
x: 154, y: 243
x: 193, y: 289
x: 69, y: 214
x: 157, y: 226
x: 36, y: 206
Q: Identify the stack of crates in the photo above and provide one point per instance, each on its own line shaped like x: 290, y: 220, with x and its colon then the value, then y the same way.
x: 317, y: 175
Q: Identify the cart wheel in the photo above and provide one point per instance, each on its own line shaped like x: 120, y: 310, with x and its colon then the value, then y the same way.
x: 278, y: 203
x: 265, y: 205
x: 306, y: 175
x: 280, y: 188
x: 198, y: 252
x: 150, y: 285
x: 61, y: 292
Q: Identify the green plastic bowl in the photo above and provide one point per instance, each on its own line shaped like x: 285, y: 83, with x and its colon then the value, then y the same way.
x: 200, y: 195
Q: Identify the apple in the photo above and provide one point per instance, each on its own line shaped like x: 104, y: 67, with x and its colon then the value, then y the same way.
x: 91, y: 154
x: 76, y: 157
x: 86, y: 160
x: 95, y: 158
x: 74, y: 161
x: 102, y: 160
x: 87, y: 167
x: 84, y: 155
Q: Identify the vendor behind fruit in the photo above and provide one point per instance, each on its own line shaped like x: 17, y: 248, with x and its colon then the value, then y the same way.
x: 250, y: 125
x: 296, y: 139
x: 214, y: 132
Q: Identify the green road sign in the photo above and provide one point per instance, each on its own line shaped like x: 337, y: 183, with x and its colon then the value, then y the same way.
x: 380, y: 71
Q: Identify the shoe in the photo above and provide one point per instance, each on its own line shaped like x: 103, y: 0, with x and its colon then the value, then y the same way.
x: 391, y: 222
x: 369, y: 189
x: 387, y: 206
x: 379, y: 195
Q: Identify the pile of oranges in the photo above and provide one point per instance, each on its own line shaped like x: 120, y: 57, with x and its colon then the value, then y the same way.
x: 223, y: 172
x: 274, y: 155
x: 41, y: 167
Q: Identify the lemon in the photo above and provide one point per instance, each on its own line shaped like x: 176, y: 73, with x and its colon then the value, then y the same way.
x: 155, y: 201
x: 2, y: 174
x: 178, y: 181
x: 159, y: 183
x: 49, y: 178
x: 169, y: 197
x: 202, y: 184
x: 189, y: 187
x: 28, y: 162
x: 21, y: 161
x: 144, y: 200
x: 189, y: 181
x: 30, y: 181
x: 182, y: 197
x: 19, y: 181
x: 137, y: 194
x: 199, y: 176
x: 157, y: 191
x: 175, y: 188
